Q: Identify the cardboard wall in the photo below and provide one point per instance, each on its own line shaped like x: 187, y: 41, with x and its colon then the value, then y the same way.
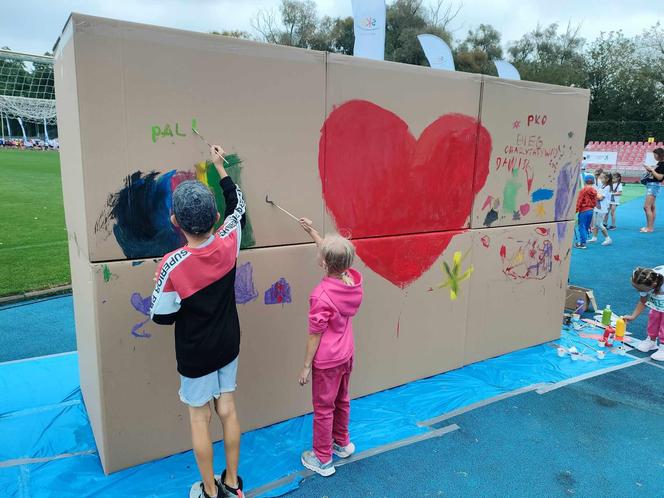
x: 264, y: 103
x: 400, y: 136
x: 407, y: 162
x: 537, y: 134
x: 518, y: 294
x: 137, y: 368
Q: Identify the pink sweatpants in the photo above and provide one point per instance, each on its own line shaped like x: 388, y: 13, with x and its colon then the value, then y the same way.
x: 331, y: 408
x: 656, y: 325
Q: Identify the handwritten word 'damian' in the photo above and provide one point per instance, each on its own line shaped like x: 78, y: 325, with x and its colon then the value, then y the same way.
x: 168, y: 131
x: 536, y: 119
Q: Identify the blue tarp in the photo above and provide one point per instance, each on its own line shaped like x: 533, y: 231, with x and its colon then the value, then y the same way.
x: 41, y: 417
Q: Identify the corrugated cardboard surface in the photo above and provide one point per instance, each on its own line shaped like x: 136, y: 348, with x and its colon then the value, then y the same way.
x: 264, y: 103
x: 412, y: 97
x: 537, y: 131
x: 514, y: 303
x: 116, y: 81
x: 401, y: 335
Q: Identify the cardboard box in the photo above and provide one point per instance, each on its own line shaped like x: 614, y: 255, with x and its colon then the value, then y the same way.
x: 575, y: 293
x: 537, y: 134
x: 403, y: 137
x: 518, y: 296
x: 127, y: 97
x: 128, y: 363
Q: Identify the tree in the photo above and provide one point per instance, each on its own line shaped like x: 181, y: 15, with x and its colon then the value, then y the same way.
x: 621, y: 80
x: 405, y: 20
x: 478, y: 51
x: 547, y: 56
x: 297, y: 25
x: 234, y: 33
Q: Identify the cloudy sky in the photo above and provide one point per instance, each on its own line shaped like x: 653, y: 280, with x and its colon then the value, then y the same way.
x: 35, y: 25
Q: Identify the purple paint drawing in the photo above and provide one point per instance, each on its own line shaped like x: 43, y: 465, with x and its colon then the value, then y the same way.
x: 565, y: 195
x: 245, y: 291
x: 142, y: 305
x: 278, y: 293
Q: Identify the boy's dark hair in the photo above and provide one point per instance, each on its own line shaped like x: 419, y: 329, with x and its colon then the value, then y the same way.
x: 194, y: 207
x: 645, y: 277
x: 659, y: 152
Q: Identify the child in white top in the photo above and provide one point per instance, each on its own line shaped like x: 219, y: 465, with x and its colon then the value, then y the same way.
x: 616, y: 192
x: 649, y: 284
x: 603, y: 188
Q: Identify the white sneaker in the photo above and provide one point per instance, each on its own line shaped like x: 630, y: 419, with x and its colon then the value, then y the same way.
x: 343, y: 451
x: 659, y: 355
x: 647, y: 345
x: 592, y: 239
x: 607, y: 241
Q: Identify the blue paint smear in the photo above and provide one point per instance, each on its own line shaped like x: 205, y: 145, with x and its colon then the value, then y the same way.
x: 278, y: 293
x: 543, y: 194
x: 142, y: 210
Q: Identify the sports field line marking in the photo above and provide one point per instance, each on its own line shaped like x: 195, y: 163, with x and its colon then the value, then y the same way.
x: 30, y: 246
x: 23, y: 360
x: 27, y: 461
x: 359, y: 456
x: 653, y: 364
x: 479, y: 404
x: 589, y: 375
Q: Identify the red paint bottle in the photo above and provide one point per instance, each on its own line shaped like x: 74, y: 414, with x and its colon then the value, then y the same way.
x: 609, y: 336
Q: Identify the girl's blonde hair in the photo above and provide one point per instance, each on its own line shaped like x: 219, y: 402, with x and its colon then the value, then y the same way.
x: 337, y: 253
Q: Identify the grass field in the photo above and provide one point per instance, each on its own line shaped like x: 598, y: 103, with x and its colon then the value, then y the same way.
x: 33, y: 238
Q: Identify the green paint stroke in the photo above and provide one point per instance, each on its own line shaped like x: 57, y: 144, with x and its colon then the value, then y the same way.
x: 107, y: 274
x: 234, y: 170
x: 512, y: 187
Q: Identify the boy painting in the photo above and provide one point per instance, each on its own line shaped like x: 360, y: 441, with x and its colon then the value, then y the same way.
x: 195, y: 289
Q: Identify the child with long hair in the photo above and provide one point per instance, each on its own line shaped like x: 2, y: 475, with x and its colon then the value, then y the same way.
x: 603, y: 188
x: 649, y: 283
x: 616, y: 192
x: 585, y: 204
x: 329, y: 357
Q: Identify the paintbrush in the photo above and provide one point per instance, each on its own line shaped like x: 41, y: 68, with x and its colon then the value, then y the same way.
x: 208, y: 143
x: 267, y: 199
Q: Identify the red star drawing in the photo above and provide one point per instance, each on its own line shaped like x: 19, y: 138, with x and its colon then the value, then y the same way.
x: 516, y: 124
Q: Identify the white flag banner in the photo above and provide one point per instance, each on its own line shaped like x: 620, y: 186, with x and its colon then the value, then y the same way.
x: 369, y: 24
x: 507, y: 70
x: 438, y: 53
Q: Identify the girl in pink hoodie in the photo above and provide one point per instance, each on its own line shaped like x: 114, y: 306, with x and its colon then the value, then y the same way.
x: 332, y: 305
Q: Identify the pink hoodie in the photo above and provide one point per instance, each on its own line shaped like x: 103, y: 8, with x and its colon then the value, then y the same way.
x: 332, y: 306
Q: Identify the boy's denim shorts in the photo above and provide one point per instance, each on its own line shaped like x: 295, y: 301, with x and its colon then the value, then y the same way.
x: 652, y: 189
x: 199, y: 391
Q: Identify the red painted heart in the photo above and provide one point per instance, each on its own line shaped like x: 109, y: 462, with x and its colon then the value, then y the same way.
x: 378, y: 181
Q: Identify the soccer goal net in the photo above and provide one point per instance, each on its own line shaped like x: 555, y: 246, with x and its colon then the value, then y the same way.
x: 27, y: 95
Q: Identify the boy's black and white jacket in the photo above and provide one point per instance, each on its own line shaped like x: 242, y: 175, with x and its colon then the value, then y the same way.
x: 196, y: 290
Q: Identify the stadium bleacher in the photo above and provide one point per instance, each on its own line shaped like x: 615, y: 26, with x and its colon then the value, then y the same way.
x: 631, y: 156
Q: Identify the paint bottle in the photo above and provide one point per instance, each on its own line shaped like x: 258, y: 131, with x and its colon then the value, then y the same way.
x: 620, y: 331
x: 609, y: 335
x: 580, y: 303
x: 606, y: 315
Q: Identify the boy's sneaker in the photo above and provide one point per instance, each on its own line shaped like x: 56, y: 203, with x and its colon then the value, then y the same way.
x: 592, y: 239
x: 226, y: 491
x: 343, y: 451
x: 647, y: 345
x: 607, y: 241
x: 311, y: 461
x: 580, y: 246
x: 612, y: 227
x: 198, y: 490
x: 659, y: 355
